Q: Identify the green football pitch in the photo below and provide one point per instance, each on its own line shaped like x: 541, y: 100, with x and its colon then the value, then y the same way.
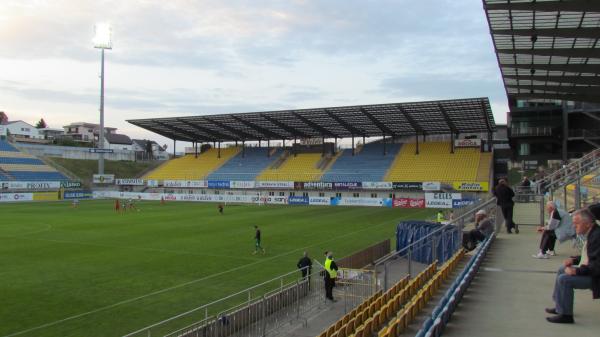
x: 89, y: 271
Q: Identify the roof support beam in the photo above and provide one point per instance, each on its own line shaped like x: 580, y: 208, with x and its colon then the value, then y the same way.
x: 573, y: 68
x: 547, y: 6
x: 574, y: 52
x: 410, y: 120
x: 265, y: 132
x: 242, y: 135
x: 583, y: 32
x: 559, y: 96
x: 213, y: 135
x: 384, y: 129
x: 191, y: 135
x: 320, y: 129
x: 449, y: 122
x: 293, y: 131
x: 351, y: 129
x: 589, y: 80
x: 158, y: 131
x: 560, y: 89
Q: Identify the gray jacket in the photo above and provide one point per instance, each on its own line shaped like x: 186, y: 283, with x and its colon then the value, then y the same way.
x: 486, y: 227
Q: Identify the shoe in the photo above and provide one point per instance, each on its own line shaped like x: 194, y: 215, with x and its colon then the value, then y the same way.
x: 564, y: 319
x: 540, y: 255
x: 551, y: 253
x: 509, y: 232
x: 516, y: 230
x: 254, y: 253
x: 551, y: 311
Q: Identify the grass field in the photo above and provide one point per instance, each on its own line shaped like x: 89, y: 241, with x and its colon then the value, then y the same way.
x: 92, y: 272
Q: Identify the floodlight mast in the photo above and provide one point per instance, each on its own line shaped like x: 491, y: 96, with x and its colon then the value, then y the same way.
x: 102, y: 41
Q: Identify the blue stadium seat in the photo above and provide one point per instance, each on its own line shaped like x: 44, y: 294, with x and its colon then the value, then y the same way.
x: 37, y: 176
x: 3, y: 177
x: 246, y: 167
x: 368, y: 165
x: 5, y: 146
x: 27, y: 161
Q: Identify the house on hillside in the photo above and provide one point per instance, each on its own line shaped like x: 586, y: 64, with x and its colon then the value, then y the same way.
x: 86, y: 132
x: 117, y: 141
x: 22, y: 130
x: 141, y: 147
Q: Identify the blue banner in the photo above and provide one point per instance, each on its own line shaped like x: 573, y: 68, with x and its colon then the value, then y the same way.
x: 347, y: 185
x: 293, y: 200
x: 218, y: 184
x: 335, y: 201
x: 77, y: 195
x: 388, y: 202
x: 458, y: 203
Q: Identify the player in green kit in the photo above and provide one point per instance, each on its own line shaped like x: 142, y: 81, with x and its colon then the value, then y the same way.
x: 257, y: 245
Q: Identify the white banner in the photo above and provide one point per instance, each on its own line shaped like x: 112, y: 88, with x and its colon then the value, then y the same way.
x: 432, y: 186
x: 8, y: 197
x: 378, y: 202
x: 467, y: 143
x: 242, y: 184
x: 275, y: 184
x: 133, y: 182
x: 152, y: 183
x: 33, y: 185
x: 104, y: 178
x: 377, y: 185
x: 185, y: 183
x: 319, y: 201
x: 440, y: 200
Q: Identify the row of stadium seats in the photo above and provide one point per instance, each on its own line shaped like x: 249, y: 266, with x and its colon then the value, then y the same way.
x: 17, y: 165
x: 437, y: 321
x: 368, y: 165
x: 398, y: 323
x: 246, y: 166
x: 300, y: 167
x: 189, y: 167
x: 434, y: 163
x: 368, y: 317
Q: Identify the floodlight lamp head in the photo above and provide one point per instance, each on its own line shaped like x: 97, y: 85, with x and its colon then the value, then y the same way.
x: 102, y: 40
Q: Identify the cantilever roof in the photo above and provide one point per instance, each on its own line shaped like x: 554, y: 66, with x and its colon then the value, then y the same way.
x: 394, y: 119
x: 547, y: 49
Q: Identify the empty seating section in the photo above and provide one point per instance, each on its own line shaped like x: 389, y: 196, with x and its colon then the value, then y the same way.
x: 246, y: 166
x: 483, y: 172
x: 435, y: 163
x: 189, y: 167
x: 17, y: 165
x: 368, y: 165
x: 302, y: 167
x: 3, y: 177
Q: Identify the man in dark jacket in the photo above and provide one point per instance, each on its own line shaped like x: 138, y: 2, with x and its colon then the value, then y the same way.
x: 305, y: 265
x: 579, y: 272
x: 504, y: 198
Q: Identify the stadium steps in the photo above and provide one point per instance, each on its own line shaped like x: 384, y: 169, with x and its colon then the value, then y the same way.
x: 485, y: 163
x: 301, y: 167
x: 526, y: 213
x: 284, y: 155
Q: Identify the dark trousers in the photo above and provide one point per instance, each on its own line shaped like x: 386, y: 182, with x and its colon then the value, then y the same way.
x: 329, y: 284
x: 471, y: 238
x: 507, y: 213
x: 548, y: 241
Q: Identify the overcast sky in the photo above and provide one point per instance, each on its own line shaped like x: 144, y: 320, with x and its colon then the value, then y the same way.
x: 192, y: 57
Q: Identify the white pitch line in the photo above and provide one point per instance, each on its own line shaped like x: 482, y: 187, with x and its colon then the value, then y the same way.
x: 186, y: 283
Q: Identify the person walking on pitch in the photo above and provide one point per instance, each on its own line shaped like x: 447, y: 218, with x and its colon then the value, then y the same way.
x: 257, y: 245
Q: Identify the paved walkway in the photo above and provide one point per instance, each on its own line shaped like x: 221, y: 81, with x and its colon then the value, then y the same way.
x: 511, y: 290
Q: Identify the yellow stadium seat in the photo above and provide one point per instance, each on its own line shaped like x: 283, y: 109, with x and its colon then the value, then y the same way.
x: 189, y: 167
x: 302, y: 167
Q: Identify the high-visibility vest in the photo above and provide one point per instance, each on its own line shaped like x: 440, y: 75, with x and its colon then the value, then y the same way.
x: 440, y: 217
x: 332, y: 272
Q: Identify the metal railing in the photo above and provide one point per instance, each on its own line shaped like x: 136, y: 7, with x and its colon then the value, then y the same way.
x: 434, y: 239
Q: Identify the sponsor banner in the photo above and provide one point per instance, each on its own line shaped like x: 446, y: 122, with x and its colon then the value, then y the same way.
x: 388, y: 202
x: 77, y: 195
x: 101, y: 150
x: 270, y: 200
x: 152, y: 183
x: 45, y: 196
x: 275, y: 184
x: 377, y: 185
x: 347, y: 185
x: 467, y: 143
x: 458, y: 203
x: 33, y: 185
x: 133, y: 182
x: 376, y: 202
x: 103, y: 178
x: 407, y: 186
x: 185, y: 183
x: 218, y: 184
x: 481, y: 186
x: 321, y: 201
x: 313, y: 185
x: 297, y: 200
x: 70, y: 184
x: 440, y: 200
x: 432, y: 186
x: 8, y: 197
x: 409, y: 202
x: 243, y: 184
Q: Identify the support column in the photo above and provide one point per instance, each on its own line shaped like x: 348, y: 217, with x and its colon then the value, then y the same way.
x: 452, y: 142
x: 578, y: 193
x: 294, y: 148
x: 269, y: 148
x: 565, y: 133
x: 243, y: 149
x: 490, y: 140
x: 174, y: 143
x: 417, y: 139
x: 352, y: 145
x: 335, y: 145
x: 384, y: 150
x: 219, y: 151
x: 323, y: 145
x: 196, y: 150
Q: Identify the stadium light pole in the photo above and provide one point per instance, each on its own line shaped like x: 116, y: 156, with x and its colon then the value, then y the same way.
x: 102, y: 41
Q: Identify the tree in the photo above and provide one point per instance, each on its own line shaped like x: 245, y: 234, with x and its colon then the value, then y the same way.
x: 3, y: 118
x: 41, y: 124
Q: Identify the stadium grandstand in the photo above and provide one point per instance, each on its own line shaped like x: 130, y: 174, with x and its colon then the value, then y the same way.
x: 18, y: 165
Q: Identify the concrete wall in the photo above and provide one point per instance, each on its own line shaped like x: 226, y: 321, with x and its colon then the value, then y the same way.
x: 70, y: 152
